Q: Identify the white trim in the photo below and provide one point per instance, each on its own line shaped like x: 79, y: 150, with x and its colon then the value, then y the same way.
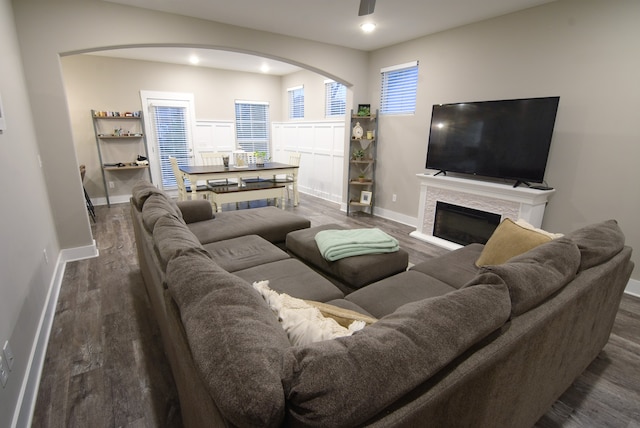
x: 23, y: 413
x: 329, y: 81
x: 266, y: 103
x: 633, y: 287
x: 295, y: 88
x: 399, y: 66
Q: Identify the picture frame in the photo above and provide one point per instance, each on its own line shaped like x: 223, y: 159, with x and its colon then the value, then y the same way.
x: 365, y: 197
x: 364, y: 110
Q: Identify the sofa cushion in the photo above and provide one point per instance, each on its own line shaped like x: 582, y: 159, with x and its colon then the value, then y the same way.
x: 533, y: 276
x: 303, y: 322
x: 270, y: 223
x: 378, y: 365
x: 350, y: 306
x: 509, y: 240
x: 157, y: 206
x: 387, y: 295
x: 293, y: 277
x: 236, y: 342
x: 455, y: 268
x: 194, y: 210
x: 141, y: 191
x: 170, y: 237
x: 244, y: 252
x: 598, y: 242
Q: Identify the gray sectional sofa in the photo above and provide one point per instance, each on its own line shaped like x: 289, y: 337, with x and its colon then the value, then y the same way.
x: 453, y: 344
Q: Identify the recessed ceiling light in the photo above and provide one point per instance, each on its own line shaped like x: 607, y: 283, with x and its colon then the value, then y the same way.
x: 264, y: 68
x: 368, y: 27
x: 193, y: 59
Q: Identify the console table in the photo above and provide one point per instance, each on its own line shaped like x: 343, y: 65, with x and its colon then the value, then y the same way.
x: 499, y: 198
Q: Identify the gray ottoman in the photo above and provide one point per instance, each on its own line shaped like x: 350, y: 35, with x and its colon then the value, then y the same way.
x: 349, y: 273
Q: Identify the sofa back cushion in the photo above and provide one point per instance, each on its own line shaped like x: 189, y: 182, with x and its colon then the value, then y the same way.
x: 170, y: 237
x: 533, y: 276
x: 141, y: 191
x: 236, y: 341
x: 598, y: 242
x: 157, y: 206
x: 346, y: 381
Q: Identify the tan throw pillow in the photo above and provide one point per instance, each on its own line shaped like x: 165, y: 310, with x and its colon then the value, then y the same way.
x: 509, y: 240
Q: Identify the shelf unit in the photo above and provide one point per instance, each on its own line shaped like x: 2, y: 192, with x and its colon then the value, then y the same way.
x: 120, y: 140
x: 362, y: 170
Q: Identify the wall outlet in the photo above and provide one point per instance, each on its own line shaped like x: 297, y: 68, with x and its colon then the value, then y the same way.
x: 4, y: 372
x: 112, y: 185
x: 394, y: 197
x: 8, y: 355
x: 46, y: 256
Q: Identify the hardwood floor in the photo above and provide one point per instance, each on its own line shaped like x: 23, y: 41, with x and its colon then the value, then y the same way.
x: 105, y: 366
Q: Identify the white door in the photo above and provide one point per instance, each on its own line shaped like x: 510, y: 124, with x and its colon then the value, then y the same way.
x: 170, y: 129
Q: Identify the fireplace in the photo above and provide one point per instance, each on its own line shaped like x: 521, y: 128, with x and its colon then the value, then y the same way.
x: 463, y: 225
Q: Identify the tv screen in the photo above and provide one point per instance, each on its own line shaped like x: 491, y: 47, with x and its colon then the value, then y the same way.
x: 503, y: 139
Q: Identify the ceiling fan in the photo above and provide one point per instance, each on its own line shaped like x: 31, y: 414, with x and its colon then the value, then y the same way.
x: 366, y: 7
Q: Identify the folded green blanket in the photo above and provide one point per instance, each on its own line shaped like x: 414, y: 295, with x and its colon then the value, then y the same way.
x: 337, y: 244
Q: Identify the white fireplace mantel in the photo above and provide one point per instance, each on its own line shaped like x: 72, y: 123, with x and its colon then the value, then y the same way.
x: 503, y: 199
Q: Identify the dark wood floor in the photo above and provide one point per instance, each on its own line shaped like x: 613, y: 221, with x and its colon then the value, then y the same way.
x: 105, y: 366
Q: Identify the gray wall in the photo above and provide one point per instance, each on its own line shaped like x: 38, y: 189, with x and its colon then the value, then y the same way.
x: 585, y: 51
x: 26, y: 226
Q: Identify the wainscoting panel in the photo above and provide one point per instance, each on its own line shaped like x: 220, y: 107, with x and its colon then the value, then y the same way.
x: 213, y: 136
x: 322, y: 146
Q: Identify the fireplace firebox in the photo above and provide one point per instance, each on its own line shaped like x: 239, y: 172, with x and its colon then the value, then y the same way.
x: 463, y: 225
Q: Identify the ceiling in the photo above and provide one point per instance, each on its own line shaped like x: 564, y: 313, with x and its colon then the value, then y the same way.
x: 328, y: 21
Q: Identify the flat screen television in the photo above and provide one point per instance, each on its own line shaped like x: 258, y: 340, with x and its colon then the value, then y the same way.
x: 507, y: 139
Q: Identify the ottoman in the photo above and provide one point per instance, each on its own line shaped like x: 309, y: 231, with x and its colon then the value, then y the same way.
x: 349, y: 273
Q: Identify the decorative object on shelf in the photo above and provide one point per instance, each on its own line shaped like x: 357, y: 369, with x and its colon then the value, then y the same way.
x: 364, y: 109
x: 362, y: 178
x: 358, y: 154
x: 358, y: 132
x: 365, y: 197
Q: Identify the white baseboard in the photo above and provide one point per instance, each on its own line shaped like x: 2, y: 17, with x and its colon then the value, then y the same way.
x: 633, y: 287
x: 29, y: 392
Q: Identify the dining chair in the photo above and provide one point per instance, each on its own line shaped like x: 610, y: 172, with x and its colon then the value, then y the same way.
x: 291, y: 180
x: 183, y: 189
x: 214, y: 158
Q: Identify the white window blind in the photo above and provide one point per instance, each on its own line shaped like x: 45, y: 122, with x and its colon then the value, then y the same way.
x: 399, y: 89
x: 252, y: 126
x: 296, y: 102
x: 335, y: 98
x: 171, y: 131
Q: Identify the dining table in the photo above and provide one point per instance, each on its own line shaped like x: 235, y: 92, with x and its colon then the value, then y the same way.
x: 268, y: 170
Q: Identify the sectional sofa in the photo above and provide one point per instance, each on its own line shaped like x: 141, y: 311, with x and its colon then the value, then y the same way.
x: 447, y: 343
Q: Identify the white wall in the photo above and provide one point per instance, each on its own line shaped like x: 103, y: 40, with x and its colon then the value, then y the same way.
x: 585, y: 51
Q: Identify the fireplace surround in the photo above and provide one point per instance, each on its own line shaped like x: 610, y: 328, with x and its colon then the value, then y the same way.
x: 498, y: 198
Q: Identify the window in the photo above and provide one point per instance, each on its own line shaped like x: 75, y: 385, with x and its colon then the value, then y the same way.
x: 296, y: 102
x: 399, y: 88
x: 335, y: 98
x: 252, y: 126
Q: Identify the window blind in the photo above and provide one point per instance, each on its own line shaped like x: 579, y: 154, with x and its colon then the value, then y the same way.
x: 335, y: 98
x: 171, y: 132
x: 296, y: 102
x: 399, y: 89
x: 252, y: 126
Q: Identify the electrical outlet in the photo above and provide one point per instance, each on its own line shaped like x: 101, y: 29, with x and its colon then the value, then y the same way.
x: 8, y: 355
x: 4, y: 372
x: 112, y: 185
x: 46, y: 256
x: 394, y: 197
